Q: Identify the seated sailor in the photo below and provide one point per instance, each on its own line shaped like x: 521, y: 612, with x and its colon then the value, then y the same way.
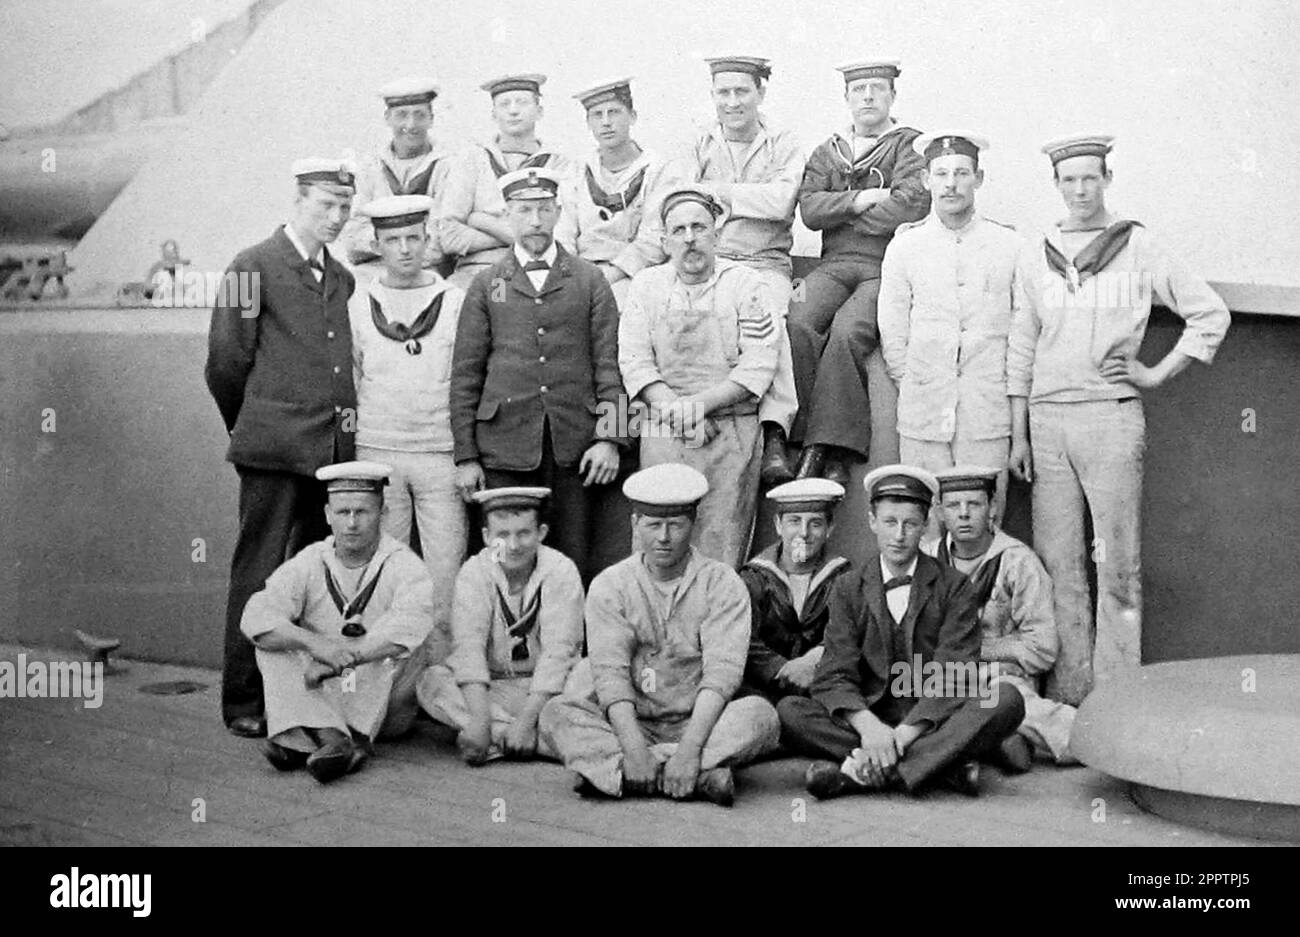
x: 335, y: 629
x: 789, y: 588
x: 516, y: 632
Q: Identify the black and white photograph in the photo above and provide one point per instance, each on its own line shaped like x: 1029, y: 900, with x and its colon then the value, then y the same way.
x: 576, y: 423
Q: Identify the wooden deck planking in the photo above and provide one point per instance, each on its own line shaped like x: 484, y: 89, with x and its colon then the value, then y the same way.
x: 129, y: 771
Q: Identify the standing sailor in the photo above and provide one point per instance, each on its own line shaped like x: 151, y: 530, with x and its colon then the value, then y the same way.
x: 281, y: 374
x: 698, y: 347
x: 403, y: 335
x: 946, y: 301
x: 1074, y: 379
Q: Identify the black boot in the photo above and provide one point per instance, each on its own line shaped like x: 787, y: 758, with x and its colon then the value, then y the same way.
x: 775, y: 470
x: 810, y: 462
x: 835, y: 466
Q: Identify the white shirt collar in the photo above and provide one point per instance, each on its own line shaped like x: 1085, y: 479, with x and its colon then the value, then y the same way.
x: 886, y: 575
x: 292, y: 235
x: 524, y: 257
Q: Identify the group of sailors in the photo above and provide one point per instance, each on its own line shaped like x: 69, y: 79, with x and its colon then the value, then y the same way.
x: 549, y: 351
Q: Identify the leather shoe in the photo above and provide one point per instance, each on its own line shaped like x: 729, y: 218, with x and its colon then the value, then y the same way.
x: 282, y: 758
x: 775, y: 469
x: 248, y: 727
x: 810, y: 462
x: 824, y: 780
x: 1014, y: 756
x: 334, y: 759
x: 964, y: 778
x: 717, y: 786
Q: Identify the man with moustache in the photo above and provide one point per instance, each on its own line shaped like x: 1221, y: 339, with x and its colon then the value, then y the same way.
x: 667, y: 630
x: 869, y: 712
x: 472, y: 223
x: 535, y: 366
x: 1078, y: 431
x: 859, y: 186
x: 789, y: 587
x: 697, y: 345
x: 607, y: 202
x: 412, y: 163
x: 281, y: 374
x: 946, y: 300
x: 516, y: 631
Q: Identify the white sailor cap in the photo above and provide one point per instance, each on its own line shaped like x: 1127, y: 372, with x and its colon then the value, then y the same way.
x: 531, y: 183
x: 950, y: 143
x: 756, y: 65
x: 870, y: 68
x: 511, y: 498
x: 327, y: 172
x: 806, y: 494
x: 669, y: 489
x: 904, y: 482
x: 968, y: 478
x: 406, y: 91
x: 1078, y: 144
x: 528, y: 81
x: 355, y: 476
x: 398, y: 211
x: 618, y: 89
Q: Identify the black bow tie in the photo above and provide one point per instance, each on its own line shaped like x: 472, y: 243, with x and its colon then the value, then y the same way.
x: 536, y: 265
x: 898, y: 582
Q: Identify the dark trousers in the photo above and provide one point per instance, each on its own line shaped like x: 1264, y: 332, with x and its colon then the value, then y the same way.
x: 279, y: 514
x: 969, y: 733
x: 591, y: 525
x: 832, y: 328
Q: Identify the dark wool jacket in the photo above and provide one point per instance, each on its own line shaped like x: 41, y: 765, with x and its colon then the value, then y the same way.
x: 832, y: 179
x: 281, y: 373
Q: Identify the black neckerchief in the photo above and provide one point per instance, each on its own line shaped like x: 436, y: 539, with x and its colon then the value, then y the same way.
x: 984, y: 579
x: 1094, y: 258
x: 536, y: 161
x: 611, y: 205
x: 410, y: 334
x: 351, y: 610
x: 522, y: 626
x: 416, y: 185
